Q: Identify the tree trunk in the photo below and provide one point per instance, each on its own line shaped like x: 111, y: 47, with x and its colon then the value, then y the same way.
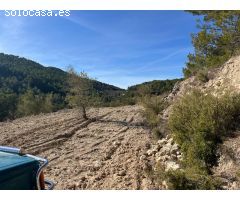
x: 84, y: 114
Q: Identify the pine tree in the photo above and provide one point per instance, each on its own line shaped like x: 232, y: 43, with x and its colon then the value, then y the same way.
x: 217, y: 40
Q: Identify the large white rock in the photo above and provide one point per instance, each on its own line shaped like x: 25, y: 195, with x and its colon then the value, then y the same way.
x: 171, y: 165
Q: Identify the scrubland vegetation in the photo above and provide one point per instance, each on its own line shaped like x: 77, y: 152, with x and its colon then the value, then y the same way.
x: 199, y: 122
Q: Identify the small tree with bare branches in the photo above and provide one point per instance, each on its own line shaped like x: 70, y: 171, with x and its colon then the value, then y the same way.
x: 82, y: 94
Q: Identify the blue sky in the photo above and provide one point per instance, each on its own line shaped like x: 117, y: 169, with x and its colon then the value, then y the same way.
x: 122, y: 48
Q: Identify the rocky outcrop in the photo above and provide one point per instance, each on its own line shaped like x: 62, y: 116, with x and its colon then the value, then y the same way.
x: 166, y: 152
x: 226, y: 78
x: 222, y: 79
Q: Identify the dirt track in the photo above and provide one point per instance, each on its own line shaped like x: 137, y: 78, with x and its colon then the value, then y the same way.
x: 102, y: 153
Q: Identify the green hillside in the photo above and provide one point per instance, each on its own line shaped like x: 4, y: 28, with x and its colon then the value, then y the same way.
x: 20, y: 76
x: 27, y: 87
x: 151, y: 88
x: 17, y: 74
x: 156, y: 87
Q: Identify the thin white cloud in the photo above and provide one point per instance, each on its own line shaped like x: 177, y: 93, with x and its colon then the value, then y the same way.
x: 166, y: 57
x: 83, y: 23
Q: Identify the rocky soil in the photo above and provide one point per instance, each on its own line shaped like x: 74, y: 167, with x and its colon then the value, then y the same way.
x: 224, y: 78
x: 166, y: 153
x: 228, y: 169
x: 99, y: 153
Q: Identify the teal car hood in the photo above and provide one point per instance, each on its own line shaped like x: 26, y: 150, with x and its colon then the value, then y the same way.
x: 17, y: 172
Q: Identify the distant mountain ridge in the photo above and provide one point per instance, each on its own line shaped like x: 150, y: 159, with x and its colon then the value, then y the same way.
x: 156, y: 87
x: 17, y: 74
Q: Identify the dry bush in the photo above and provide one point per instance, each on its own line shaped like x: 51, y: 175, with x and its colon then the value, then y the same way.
x: 199, y: 122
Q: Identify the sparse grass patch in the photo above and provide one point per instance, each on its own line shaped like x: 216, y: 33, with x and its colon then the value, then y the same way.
x: 185, y: 180
x: 153, y: 107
